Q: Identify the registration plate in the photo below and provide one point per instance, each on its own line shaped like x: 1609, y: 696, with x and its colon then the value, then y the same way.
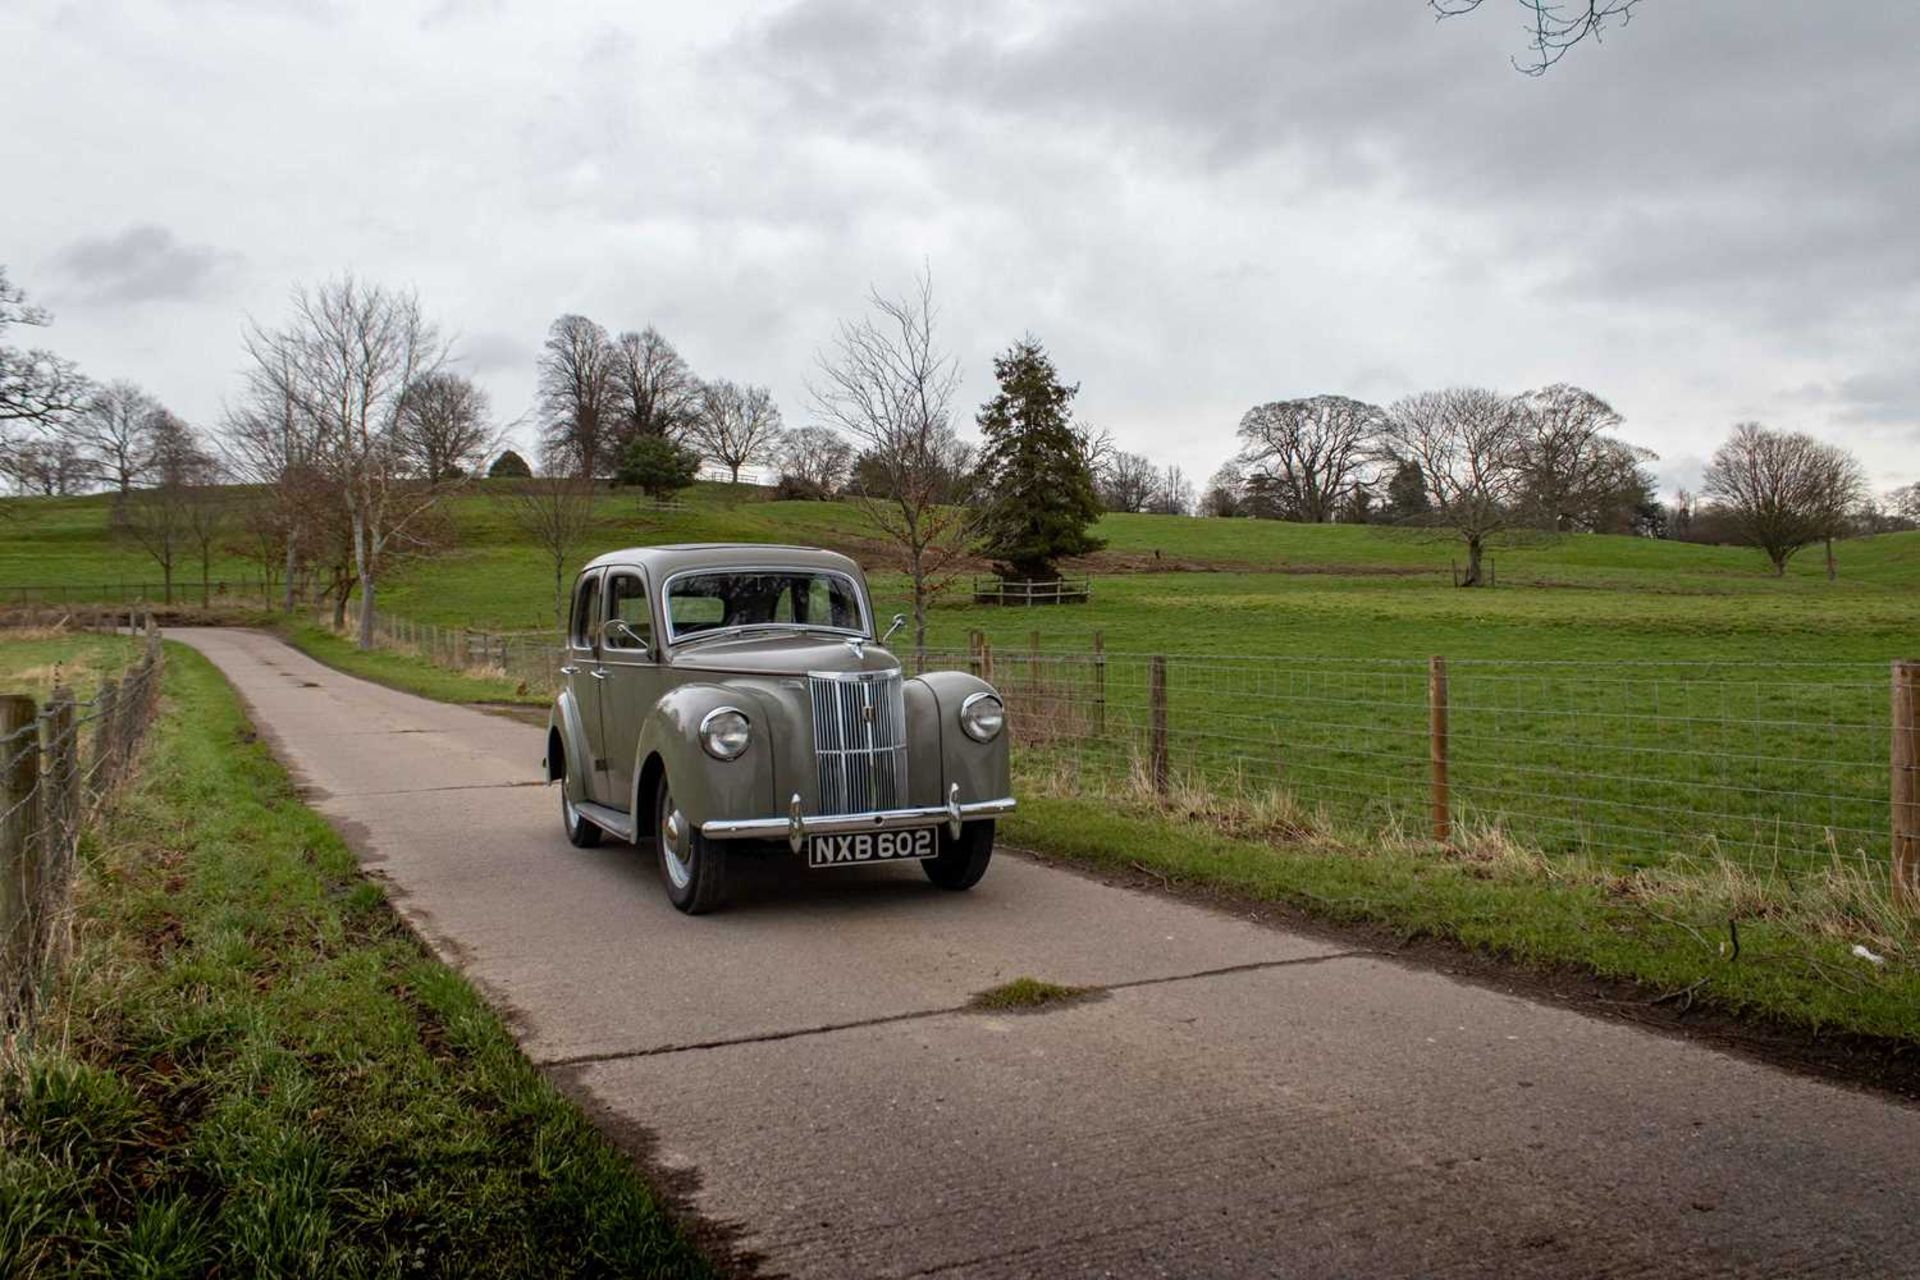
x: 870, y: 846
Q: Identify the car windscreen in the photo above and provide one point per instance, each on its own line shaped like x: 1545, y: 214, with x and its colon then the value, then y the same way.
x: 712, y: 600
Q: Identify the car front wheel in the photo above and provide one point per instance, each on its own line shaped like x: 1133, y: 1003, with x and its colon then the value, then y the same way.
x: 582, y: 833
x: 960, y: 863
x: 693, y: 867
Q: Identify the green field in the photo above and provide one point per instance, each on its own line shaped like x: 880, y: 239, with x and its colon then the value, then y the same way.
x: 1224, y: 586
x: 1618, y: 697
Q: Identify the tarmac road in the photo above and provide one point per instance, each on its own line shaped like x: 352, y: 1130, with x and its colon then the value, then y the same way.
x: 1236, y: 1100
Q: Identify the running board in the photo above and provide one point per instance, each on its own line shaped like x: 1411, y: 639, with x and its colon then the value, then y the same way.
x: 611, y: 820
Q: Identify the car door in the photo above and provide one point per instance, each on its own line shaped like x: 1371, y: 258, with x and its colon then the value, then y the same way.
x: 629, y: 655
x: 586, y: 676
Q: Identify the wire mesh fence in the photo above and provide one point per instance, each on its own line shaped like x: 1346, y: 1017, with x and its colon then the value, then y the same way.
x: 61, y: 763
x: 1780, y: 767
x: 531, y: 659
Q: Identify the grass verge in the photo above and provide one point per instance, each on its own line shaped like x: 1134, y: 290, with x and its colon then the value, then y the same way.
x: 1716, y: 935
x: 255, y: 1069
x: 408, y: 672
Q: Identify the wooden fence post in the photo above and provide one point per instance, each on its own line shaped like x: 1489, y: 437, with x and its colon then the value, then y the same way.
x: 1437, y: 749
x: 986, y: 658
x: 1906, y: 782
x: 1100, y: 684
x: 20, y: 802
x: 106, y: 704
x: 1159, y: 764
x: 63, y: 767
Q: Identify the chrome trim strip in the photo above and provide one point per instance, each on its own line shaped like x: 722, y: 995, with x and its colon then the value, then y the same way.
x: 795, y: 826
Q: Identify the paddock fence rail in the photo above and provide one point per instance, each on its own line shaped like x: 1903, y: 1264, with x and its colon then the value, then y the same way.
x: 62, y: 763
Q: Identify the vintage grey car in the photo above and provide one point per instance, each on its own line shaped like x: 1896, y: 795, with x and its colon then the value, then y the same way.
x: 722, y: 698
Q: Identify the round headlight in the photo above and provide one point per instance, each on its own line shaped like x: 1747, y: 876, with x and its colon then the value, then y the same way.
x: 983, y: 716
x: 725, y: 733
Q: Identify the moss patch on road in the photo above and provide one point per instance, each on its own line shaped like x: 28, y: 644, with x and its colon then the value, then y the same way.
x: 1024, y: 993
x: 256, y: 1069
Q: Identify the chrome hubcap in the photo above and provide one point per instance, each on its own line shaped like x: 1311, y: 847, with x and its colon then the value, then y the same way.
x: 674, y: 845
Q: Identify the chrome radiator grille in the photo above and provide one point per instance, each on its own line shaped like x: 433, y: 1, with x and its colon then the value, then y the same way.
x: 860, y: 741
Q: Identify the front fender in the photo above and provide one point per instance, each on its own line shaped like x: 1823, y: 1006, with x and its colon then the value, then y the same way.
x: 980, y: 769
x: 703, y: 787
x: 565, y: 729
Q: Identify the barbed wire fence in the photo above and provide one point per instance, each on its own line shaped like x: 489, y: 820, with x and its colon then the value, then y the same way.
x: 1784, y: 769
x: 61, y: 765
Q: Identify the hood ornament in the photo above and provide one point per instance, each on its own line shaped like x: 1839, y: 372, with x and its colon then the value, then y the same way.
x: 859, y: 647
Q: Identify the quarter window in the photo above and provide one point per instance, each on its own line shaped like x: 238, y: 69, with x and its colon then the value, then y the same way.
x: 586, y: 611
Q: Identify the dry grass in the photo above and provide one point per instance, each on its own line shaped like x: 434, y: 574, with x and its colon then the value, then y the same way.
x: 1844, y: 901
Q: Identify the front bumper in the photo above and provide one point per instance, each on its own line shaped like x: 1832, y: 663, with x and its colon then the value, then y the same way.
x: 797, y: 826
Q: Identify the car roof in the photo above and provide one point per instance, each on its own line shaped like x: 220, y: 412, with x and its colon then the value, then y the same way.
x: 674, y: 557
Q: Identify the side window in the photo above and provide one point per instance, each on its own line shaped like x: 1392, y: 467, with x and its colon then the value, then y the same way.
x: 627, y: 601
x: 586, y: 611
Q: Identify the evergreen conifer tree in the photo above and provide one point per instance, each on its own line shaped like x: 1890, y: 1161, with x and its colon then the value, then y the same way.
x: 1039, y: 493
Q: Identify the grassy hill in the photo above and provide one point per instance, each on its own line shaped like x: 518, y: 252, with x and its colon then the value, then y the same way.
x: 1178, y: 584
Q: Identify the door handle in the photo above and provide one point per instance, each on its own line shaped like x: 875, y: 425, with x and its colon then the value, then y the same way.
x: 569, y: 671
x: 598, y: 673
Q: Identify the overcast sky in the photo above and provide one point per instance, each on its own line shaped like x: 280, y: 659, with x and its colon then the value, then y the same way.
x: 1197, y: 206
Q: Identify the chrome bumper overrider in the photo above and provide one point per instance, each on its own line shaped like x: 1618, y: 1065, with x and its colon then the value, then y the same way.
x: 797, y: 826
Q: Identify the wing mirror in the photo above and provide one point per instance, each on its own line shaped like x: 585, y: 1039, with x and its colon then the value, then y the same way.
x: 899, y: 621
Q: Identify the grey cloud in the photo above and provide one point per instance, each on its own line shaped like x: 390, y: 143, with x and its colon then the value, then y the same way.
x: 142, y: 264
x: 1748, y: 155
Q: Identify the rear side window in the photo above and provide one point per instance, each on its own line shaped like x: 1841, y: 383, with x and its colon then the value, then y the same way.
x: 586, y: 610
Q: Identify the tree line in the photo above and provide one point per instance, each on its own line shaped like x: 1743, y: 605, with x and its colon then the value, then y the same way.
x: 352, y: 424
x: 1490, y: 468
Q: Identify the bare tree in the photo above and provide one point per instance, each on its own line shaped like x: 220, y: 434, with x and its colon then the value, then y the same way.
x: 159, y: 518
x: 556, y: 514
x: 1577, y: 476
x: 1783, y: 490
x: 445, y: 433
x: 268, y: 441
x: 208, y: 516
x: 1226, y: 491
x: 885, y: 382
x: 35, y: 386
x: 347, y: 359
x: 814, y: 460
x: 737, y: 425
x: 1469, y: 444
x: 1127, y: 481
x: 50, y: 468
x: 1309, y: 454
x: 1172, y: 493
x: 655, y: 392
x: 577, y: 397
x: 1905, y: 501
x: 1554, y: 26
x: 113, y: 431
